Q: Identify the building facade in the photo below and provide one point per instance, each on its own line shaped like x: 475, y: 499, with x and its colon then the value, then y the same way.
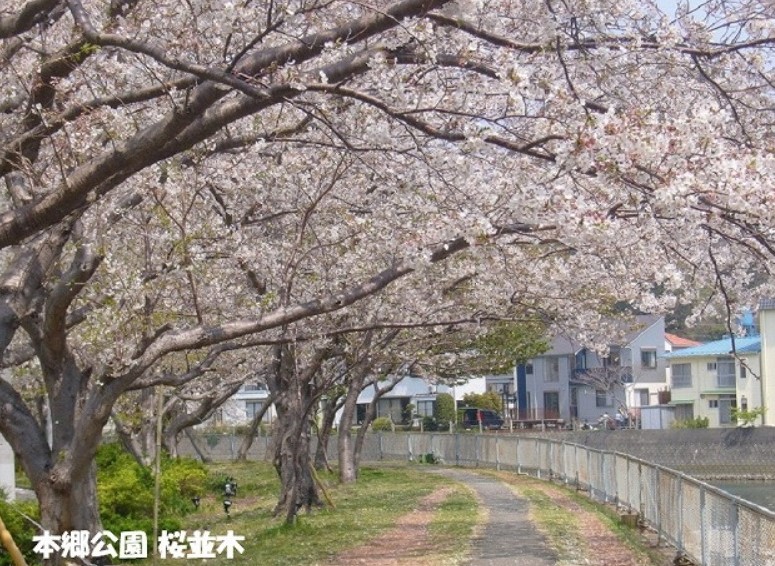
x: 710, y: 380
x: 572, y: 384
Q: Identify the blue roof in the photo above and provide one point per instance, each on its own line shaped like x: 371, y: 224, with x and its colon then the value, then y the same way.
x: 746, y: 345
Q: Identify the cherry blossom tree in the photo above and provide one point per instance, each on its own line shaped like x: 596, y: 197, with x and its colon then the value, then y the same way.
x: 183, y: 176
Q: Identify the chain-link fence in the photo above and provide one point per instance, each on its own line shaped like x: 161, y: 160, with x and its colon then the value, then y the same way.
x: 711, y: 526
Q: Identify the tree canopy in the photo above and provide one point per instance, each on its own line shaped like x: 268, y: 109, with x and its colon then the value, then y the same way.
x: 185, y: 180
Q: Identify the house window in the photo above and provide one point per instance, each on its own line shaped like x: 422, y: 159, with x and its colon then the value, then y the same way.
x: 614, y: 358
x: 743, y: 371
x: 711, y: 366
x: 682, y: 375
x: 254, y: 387
x: 551, y: 404
x: 252, y: 408
x: 552, y: 370
x: 713, y: 403
x: 581, y: 360
x: 648, y: 359
x: 725, y: 376
x: 603, y: 398
x: 725, y: 405
x: 424, y: 408
x: 684, y: 412
x: 529, y: 368
x: 642, y: 396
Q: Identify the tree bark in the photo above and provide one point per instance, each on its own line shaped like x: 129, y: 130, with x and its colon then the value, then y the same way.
x: 324, y: 432
x: 296, y: 396
x: 247, y: 440
x: 294, y: 465
x: 371, y: 413
x: 347, y: 468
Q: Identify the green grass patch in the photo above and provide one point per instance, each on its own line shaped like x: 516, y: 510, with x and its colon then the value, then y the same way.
x: 560, y: 525
x: 363, y: 510
x: 453, y: 524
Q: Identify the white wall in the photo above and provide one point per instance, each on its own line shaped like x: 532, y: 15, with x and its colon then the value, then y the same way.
x: 7, y: 471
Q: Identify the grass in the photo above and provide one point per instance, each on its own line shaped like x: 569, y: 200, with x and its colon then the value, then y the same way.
x: 562, y: 526
x: 453, y: 525
x: 363, y: 510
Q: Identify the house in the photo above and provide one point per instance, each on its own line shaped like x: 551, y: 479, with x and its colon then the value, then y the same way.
x: 766, y: 378
x: 573, y: 384
x: 708, y: 380
x: 244, y: 405
x: 711, y: 379
x: 417, y: 391
x: 674, y: 342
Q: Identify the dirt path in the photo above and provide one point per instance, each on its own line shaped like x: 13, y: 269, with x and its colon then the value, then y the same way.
x: 404, y: 544
x: 509, y: 536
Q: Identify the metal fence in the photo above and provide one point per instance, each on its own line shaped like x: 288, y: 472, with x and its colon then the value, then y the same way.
x: 710, y: 526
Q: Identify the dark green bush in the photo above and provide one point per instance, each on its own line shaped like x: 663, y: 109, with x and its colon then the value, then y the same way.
x: 697, y: 422
x: 21, y: 529
x: 381, y: 424
x: 125, y: 490
x: 429, y: 424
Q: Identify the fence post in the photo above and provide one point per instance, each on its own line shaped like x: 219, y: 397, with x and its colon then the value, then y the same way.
x: 680, y: 535
x: 381, y: 448
x: 641, y: 507
x: 736, y: 533
x: 476, y: 449
x: 576, y: 464
x: 518, y: 462
x: 550, y: 457
x: 658, y: 501
x: 497, y: 454
x: 457, y: 448
x: 409, y: 446
x: 589, y: 474
x: 703, y: 555
x: 537, y: 455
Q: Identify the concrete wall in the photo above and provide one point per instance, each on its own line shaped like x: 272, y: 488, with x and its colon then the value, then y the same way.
x: 743, y: 453
x: 704, y: 453
x: 7, y: 470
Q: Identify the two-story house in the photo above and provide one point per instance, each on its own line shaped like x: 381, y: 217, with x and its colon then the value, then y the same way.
x: 573, y: 384
x: 710, y: 379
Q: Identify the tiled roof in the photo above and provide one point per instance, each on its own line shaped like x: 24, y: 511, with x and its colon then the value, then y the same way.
x: 680, y: 342
x: 766, y: 304
x: 747, y: 345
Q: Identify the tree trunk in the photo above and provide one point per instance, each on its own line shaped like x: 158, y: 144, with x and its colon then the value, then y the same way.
x: 292, y: 459
x: 324, y: 432
x: 195, y: 446
x: 371, y: 413
x: 72, y: 506
x: 247, y: 440
x: 347, y: 468
x: 293, y: 463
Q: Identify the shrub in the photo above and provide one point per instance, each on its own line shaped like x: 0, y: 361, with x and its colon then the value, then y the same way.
x: 381, y: 424
x: 21, y: 529
x: 747, y: 417
x: 444, y: 409
x: 125, y: 490
x: 430, y: 424
x: 697, y: 422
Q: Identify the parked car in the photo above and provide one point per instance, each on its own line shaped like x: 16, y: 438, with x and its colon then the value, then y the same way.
x: 472, y: 416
